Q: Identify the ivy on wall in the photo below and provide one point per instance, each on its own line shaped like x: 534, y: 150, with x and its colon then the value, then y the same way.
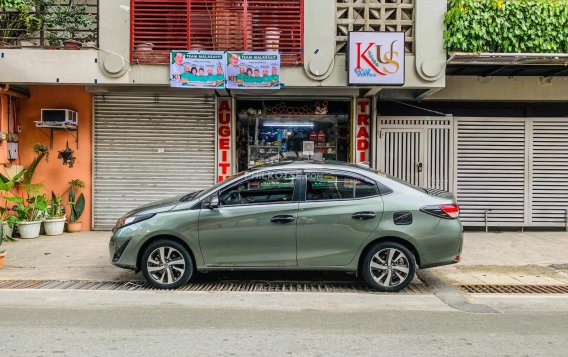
x: 503, y: 26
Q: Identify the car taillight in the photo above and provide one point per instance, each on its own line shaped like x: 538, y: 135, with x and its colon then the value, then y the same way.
x: 443, y: 211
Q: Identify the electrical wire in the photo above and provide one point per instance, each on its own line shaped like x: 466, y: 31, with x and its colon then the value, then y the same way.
x: 417, y: 107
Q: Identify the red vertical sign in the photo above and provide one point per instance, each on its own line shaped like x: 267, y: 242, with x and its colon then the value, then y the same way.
x: 224, y: 141
x: 362, y: 131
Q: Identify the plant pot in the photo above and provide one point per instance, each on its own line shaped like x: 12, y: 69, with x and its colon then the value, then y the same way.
x: 73, y: 227
x: 2, y: 259
x: 29, y: 230
x: 54, y: 227
x: 6, y: 230
x: 71, y: 44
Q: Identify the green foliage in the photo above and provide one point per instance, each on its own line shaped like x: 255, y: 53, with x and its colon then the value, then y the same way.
x: 76, y: 206
x: 29, y: 210
x: 67, y: 21
x: 507, y: 26
x: 55, y: 209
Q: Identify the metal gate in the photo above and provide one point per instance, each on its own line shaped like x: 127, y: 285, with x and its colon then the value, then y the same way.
x: 512, y: 171
x: 148, y: 147
x: 417, y: 150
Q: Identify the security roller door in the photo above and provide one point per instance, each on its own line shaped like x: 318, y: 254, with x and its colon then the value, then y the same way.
x: 491, y: 157
x: 148, y: 147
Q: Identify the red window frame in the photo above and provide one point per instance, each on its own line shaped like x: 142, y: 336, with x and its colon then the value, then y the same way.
x: 159, y: 26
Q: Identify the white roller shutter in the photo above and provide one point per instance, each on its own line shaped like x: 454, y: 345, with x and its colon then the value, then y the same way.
x: 549, y: 171
x: 148, y: 147
x: 490, y: 170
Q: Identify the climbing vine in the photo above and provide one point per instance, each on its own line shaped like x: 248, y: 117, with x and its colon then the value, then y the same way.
x: 503, y: 26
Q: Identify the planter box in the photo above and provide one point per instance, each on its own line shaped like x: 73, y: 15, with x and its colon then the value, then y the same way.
x: 73, y: 227
x: 2, y: 259
x: 29, y: 230
x: 54, y: 227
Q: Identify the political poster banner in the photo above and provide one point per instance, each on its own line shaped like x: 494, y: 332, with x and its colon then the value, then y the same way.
x: 253, y: 70
x: 197, y: 69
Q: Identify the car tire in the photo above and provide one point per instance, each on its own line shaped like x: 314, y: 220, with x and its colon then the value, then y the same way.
x: 396, y: 274
x: 166, y: 264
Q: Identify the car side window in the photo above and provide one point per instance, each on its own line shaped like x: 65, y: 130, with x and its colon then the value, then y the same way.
x: 323, y: 186
x: 365, y: 189
x: 268, y: 187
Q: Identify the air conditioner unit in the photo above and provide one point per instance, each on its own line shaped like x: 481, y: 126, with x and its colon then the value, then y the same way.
x: 59, y: 117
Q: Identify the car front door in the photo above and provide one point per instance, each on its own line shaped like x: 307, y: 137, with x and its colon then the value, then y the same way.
x: 255, y: 223
x: 341, y: 210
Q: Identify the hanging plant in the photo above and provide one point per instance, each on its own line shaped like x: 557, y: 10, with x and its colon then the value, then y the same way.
x: 67, y: 156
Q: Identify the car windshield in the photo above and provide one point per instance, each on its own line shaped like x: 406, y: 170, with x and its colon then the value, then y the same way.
x: 217, y: 185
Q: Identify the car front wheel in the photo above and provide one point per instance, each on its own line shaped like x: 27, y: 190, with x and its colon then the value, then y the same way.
x: 166, y: 264
x: 389, y: 267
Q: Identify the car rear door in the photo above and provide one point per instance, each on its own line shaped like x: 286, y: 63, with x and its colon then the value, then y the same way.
x: 339, y: 212
x: 255, y: 224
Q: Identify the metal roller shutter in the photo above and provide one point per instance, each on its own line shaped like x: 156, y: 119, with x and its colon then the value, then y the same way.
x: 148, y: 147
x: 491, y: 158
x: 549, y: 171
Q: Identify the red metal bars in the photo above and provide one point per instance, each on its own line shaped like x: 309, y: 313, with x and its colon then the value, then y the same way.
x: 158, y: 26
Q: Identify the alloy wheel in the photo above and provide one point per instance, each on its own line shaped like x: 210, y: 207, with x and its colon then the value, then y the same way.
x: 166, y: 265
x: 389, y: 267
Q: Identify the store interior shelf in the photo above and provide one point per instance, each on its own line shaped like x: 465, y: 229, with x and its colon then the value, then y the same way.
x: 291, y: 116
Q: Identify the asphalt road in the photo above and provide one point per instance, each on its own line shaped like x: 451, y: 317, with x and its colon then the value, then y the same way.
x: 122, y: 323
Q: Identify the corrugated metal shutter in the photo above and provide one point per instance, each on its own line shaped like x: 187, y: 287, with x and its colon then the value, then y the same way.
x: 549, y: 171
x: 148, y: 147
x: 490, y: 173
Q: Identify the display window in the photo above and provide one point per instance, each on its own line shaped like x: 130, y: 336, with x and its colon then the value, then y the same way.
x: 270, y: 131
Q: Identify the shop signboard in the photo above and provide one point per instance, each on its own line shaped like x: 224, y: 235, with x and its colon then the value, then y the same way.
x: 224, y: 142
x: 362, y: 130
x: 197, y: 69
x: 376, y: 58
x: 253, y: 70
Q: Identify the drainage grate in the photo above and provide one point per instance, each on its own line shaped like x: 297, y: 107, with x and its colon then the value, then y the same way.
x: 514, y: 289
x: 252, y: 286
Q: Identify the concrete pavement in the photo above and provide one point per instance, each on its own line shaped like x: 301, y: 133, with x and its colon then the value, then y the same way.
x: 148, y: 323
x: 488, y: 258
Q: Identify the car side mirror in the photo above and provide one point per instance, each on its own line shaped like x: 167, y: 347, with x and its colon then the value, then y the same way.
x: 213, y: 202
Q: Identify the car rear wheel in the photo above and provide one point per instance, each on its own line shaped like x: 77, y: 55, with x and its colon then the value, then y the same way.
x: 389, y: 267
x: 166, y: 264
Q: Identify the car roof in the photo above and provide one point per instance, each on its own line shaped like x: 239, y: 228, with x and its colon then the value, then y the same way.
x: 313, y: 164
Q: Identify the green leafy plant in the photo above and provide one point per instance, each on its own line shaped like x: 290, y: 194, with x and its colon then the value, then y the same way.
x: 507, y: 26
x: 6, y: 186
x: 55, y: 209
x: 30, y: 210
x: 67, y: 21
x: 76, y: 204
x: 20, y: 19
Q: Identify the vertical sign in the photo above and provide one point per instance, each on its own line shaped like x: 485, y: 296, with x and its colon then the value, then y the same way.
x: 224, y: 142
x: 362, y: 130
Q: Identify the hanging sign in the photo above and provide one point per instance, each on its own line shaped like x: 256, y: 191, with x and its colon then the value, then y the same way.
x: 376, y: 58
x: 362, y: 137
x: 197, y: 69
x: 253, y: 70
x: 224, y: 142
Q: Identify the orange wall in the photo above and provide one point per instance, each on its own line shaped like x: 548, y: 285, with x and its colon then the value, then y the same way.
x: 53, y: 174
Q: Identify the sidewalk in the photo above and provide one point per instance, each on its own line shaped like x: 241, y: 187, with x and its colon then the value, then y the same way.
x: 488, y: 258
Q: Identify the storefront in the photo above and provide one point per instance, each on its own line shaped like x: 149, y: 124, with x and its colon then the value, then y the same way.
x: 149, y: 146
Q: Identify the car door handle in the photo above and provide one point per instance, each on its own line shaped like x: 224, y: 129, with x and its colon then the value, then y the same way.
x: 283, y: 219
x: 364, y: 215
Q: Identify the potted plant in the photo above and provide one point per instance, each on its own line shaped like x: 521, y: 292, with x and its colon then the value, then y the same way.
x: 54, y: 224
x: 30, y: 207
x: 29, y: 214
x: 6, y: 186
x: 76, y: 205
x: 20, y: 22
x: 67, y: 23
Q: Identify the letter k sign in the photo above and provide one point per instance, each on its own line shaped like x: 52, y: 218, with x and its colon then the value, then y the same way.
x: 363, y: 56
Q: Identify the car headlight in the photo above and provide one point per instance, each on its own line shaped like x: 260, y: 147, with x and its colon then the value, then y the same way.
x: 126, y: 221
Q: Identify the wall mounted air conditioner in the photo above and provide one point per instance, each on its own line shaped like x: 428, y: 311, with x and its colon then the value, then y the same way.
x: 59, y: 117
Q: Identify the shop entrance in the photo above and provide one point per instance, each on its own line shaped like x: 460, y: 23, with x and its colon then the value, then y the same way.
x: 270, y: 131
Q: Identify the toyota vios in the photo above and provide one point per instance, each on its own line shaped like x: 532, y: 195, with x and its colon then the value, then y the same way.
x: 294, y: 216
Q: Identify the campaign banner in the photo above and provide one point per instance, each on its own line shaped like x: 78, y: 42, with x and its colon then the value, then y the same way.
x: 197, y: 69
x: 253, y: 70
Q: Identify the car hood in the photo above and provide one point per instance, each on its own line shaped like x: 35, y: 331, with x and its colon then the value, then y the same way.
x: 156, y: 206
